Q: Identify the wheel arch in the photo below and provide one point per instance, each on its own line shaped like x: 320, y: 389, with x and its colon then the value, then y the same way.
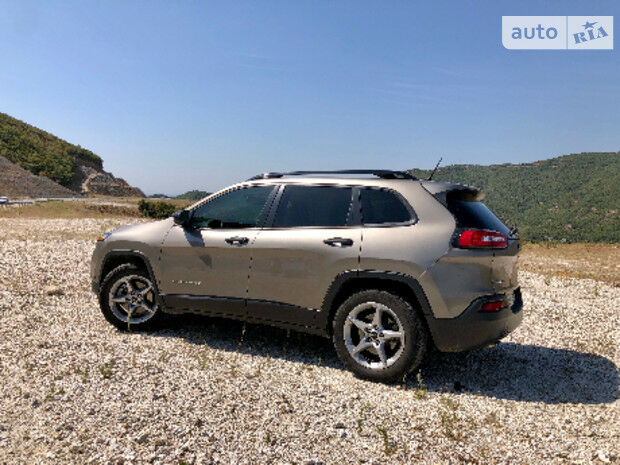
x: 348, y: 283
x: 115, y: 258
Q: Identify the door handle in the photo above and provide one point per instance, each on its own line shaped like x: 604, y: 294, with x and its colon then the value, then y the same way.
x: 237, y: 240
x: 339, y: 242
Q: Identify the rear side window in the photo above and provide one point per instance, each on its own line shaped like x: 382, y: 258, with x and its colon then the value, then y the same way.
x: 475, y: 215
x: 381, y: 206
x: 324, y: 206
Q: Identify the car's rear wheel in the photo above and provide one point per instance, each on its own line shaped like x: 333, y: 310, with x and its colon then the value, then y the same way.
x: 128, y: 298
x: 379, y: 336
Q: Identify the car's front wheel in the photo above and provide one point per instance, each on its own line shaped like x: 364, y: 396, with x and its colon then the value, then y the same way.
x: 379, y: 336
x: 128, y: 298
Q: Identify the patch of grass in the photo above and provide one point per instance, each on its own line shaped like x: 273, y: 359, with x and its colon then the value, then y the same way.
x: 286, y: 342
x: 203, y: 353
x: 362, y: 417
x: 421, y: 390
x: 84, y: 372
x: 71, y: 209
x: 388, y: 448
x: 106, y: 370
x: 53, y: 392
x: 202, y: 362
x: 240, y: 343
x: 453, y: 428
x: 483, y: 454
x: 492, y: 419
x: 269, y: 439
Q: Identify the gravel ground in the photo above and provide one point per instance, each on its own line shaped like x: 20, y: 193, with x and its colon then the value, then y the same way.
x: 75, y: 390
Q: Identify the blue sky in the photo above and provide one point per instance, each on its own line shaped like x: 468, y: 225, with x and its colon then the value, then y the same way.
x: 183, y: 95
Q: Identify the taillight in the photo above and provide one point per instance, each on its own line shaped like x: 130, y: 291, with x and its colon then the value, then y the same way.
x: 493, y: 306
x: 482, y: 238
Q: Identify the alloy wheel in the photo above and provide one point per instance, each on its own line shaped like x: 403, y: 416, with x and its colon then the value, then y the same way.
x: 374, y: 336
x: 132, y: 299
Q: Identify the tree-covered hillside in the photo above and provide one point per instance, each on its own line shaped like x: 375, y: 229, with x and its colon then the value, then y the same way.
x: 573, y: 197
x: 42, y: 153
x: 193, y: 195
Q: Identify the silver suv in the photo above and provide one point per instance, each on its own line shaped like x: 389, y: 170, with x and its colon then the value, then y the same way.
x: 384, y: 264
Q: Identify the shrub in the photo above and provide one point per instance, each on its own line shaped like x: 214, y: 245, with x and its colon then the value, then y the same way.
x: 157, y: 210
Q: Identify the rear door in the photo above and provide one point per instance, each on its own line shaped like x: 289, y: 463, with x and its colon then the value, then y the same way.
x: 311, y: 237
x: 390, y: 243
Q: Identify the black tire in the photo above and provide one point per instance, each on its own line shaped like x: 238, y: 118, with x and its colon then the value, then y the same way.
x: 414, y: 345
x: 118, y: 274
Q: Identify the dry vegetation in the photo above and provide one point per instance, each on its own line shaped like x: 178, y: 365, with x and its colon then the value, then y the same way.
x: 592, y: 261
x: 75, y: 390
x: 70, y: 209
x: 100, y: 207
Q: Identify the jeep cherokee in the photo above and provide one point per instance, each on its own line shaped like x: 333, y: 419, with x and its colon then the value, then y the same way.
x: 383, y: 263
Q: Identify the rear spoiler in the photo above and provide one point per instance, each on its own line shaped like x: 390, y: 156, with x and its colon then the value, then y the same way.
x: 441, y: 190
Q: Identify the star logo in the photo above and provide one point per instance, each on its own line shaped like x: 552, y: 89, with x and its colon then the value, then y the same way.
x: 589, y: 25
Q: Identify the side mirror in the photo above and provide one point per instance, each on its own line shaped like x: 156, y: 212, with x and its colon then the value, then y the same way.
x: 181, y: 217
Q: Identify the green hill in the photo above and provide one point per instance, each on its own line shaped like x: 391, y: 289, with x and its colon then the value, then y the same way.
x: 67, y: 165
x: 574, y: 198
x: 43, y: 154
x: 193, y: 195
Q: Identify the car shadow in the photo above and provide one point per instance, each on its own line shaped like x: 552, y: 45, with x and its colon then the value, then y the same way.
x: 512, y: 371
x: 528, y: 373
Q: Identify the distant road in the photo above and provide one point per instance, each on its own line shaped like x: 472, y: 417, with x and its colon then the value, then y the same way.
x: 31, y: 201
x: 44, y: 199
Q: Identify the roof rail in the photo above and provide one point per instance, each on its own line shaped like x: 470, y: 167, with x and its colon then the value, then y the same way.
x: 383, y: 174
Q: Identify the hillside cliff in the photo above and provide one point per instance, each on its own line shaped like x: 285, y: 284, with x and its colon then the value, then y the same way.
x: 16, y: 182
x: 71, y: 166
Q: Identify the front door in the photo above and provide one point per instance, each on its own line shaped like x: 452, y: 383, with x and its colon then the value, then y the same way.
x: 205, y: 264
x: 311, y: 239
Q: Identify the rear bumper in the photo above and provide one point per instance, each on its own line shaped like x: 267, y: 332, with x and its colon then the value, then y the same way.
x: 473, y: 328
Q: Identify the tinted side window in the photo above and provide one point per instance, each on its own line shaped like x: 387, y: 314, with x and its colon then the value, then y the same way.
x: 475, y: 215
x: 236, y: 209
x: 382, y: 206
x: 313, y: 206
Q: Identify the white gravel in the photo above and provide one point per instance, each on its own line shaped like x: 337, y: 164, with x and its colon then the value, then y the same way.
x: 75, y: 390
